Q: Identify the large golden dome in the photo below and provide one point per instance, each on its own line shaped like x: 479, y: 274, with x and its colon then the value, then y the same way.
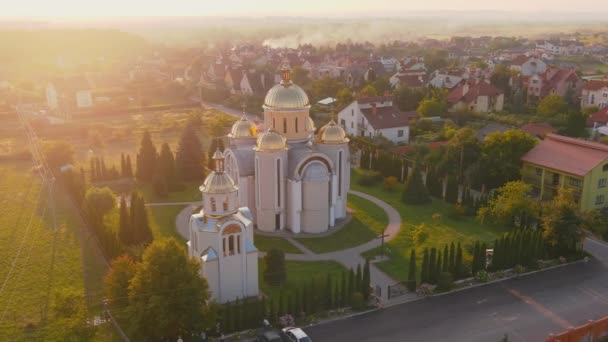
x: 331, y: 134
x: 286, y: 95
x: 218, y: 183
x: 270, y: 141
x: 243, y: 129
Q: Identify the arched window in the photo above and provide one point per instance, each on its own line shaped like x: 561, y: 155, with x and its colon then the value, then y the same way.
x: 231, y: 245
x: 213, y: 205
x: 339, y: 173
x: 284, y: 125
x: 296, y: 124
x: 224, y: 249
x: 238, y: 244
x: 278, y: 182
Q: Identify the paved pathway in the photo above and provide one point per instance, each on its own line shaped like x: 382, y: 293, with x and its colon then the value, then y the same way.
x: 350, y: 257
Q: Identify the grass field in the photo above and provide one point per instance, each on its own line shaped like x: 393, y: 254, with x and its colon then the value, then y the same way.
x: 367, y: 223
x: 266, y: 243
x: 47, y: 262
x: 440, y: 230
x: 299, y: 273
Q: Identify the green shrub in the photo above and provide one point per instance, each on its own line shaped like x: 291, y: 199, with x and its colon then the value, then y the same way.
x: 445, y: 282
x: 357, y: 301
x: 370, y: 178
x: 420, y: 234
x: 482, y: 276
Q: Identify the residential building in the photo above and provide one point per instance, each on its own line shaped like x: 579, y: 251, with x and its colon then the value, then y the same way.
x: 528, y: 65
x: 562, y: 162
x: 561, y: 81
x: 595, y: 93
x: 446, y: 79
x: 373, y: 116
x: 560, y: 47
x: 478, y: 96
x: 69, y: 93
x: 410, y: 81
x: 598, y: 119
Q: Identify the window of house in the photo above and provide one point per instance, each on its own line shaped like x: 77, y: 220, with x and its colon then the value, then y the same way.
x: 574, y: 181
x: 599, y: 199
x: 605, y: 95
x: 400, y: 133
x: 539, y: 171
x: 601, y: 183
x: 352, y: 112
x: 213, y: 205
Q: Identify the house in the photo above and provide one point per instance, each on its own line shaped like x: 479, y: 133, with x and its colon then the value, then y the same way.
x: 489, y: 129
x: 409, y: 81
x: 373, y: 116
x: 527, y: 65
x: 561, y: 81
x: 412, y: 66
x: 562, y: 162
x: 327, y: 102
x: 538, y: 130
x: 67, y: 93
x: 595, y: 93
x: 560, y: 47
x: 480, y: 96
x: 598, y: 119
x: 446, y: 79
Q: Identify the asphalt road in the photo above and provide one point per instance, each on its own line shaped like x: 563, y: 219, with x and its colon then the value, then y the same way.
x: 527, y: 309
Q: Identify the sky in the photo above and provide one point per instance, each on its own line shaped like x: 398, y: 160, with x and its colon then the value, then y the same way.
x: 331, y: 8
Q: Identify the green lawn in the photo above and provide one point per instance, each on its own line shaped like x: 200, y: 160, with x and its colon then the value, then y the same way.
x: 47, y: 263
x: 190, y: 193
x: 266, y: 243
x: 162, y: 221
x: 465, y: 230
x: 367, y: 223
x: 299, y: 273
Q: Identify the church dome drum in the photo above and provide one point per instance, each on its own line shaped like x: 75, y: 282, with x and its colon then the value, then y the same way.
x: 270, y: 141
x: 331, y: 134
x: 286, y: 95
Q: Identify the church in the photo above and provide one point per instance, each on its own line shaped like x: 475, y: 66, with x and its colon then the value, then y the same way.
x: 291, y: 179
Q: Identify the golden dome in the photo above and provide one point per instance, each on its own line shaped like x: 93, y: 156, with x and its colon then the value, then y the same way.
x: 310, y: 125
x: 243, y: 128
x: 286, y: 95
x: 331, y: 134
x: 270, y: 140
x: 218, y: 183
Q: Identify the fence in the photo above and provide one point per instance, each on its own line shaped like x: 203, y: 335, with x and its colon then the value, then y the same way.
x: 593, y: 331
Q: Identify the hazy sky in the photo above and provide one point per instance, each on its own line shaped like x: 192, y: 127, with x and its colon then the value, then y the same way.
x: 74, y: 8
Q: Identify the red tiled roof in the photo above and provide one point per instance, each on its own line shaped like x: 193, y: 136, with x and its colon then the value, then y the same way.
x: 595, y: 84
x: 570, y: 155
x: 600, y: 116
x: 520, y: 60
x: 538, y: 129
x: 475, y: 90
x: 409, y: 148
x: 387, y: 117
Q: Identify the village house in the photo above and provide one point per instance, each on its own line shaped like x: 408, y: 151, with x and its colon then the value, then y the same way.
x: 69, y: 93
x: 562, y: 162
x: 374, y: 116
x: 478, y: 96
x: 409, y: 81
x: 561, y: 81
x: 595, y: 93
x: 560, y: 47
x: 528, y: 65
x: 598, y: 119
x: 446, y: 79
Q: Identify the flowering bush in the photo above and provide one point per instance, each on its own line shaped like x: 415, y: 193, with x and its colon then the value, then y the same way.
x: 287, y: 321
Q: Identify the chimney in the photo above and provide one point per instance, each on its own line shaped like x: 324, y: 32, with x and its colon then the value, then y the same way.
x: 374, y: 108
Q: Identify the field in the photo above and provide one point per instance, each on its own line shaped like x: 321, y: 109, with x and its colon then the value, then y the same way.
x: 44, y: 262
x: 298, y: 274
x: 440, y: 230
x: 368, y: 221
x: 266, y: 243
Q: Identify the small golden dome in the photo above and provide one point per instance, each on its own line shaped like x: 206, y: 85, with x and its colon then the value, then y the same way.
x: 270, y: 140
x: 331, y: 134
x: 243, y: 128
x: 218, y: 183
x: 286, y: 95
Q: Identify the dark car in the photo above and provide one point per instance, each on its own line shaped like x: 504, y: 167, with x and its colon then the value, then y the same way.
x: 269, y: 335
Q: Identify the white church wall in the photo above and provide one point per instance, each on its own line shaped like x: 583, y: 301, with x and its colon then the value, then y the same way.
x: 252, y: 275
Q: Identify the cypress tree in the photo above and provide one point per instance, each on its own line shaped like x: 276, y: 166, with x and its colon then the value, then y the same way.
x: 128, y: 167
x: 358, y: 279
x: 166, y: 166
x: 495, y: 255
x: 438, y: 266
x: 475, y: 265
x: 411, y: 276
x: 344, y: 290
x: 328, y: 293
x: 446, y: 265
x: 124, y: 227
x: 189, y: 158
x: 104, y: 170
x: 482, y: 256
x: 351, y: 284
x: 123, y: 165
x: 366, y: 280
x: 281, y: 305
x: 458, y: 266
x: 452, y: 257
x: 336, y: 296
x: 433, y: 265
x: 146, y: 158
x: 424, y: 272
x: 93, y: 170
x: 99, y: 175
x: 415, y: 191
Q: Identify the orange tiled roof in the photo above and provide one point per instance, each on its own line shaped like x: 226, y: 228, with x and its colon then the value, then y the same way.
x: 569, y: 155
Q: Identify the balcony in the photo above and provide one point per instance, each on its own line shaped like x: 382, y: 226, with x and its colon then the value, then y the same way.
x: 532, y: 179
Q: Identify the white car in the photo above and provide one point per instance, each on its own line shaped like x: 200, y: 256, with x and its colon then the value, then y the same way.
x: 296, y: 335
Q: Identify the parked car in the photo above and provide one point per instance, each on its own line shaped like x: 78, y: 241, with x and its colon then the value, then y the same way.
x: 296, y: 335
x: 269, y: 335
